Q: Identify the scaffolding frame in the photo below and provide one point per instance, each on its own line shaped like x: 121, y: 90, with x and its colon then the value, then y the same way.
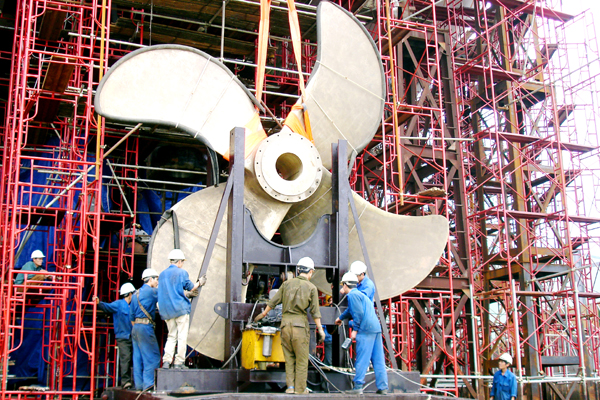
x: 525, y: 175
x: 52, y: 163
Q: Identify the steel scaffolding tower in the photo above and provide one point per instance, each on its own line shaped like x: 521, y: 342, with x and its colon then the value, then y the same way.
x: 493, y: 124
x: 53, y: 186
x: 532, y: 151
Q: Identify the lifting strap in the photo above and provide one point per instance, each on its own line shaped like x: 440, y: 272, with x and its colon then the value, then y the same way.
x: 263, y: 44
x: 292, y: 121
x: 254, y: 135
x: 296, y: 45
x: 254, y: 130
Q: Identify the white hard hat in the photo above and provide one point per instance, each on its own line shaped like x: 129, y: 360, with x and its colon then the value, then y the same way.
x: 349, y: 277
x: 37, y: 254
x: 176, y: 254
x: 358, y: 267
x: 506, y: 358
x: 149, y: 273
x: 126, y: 289
x: 306, y: 262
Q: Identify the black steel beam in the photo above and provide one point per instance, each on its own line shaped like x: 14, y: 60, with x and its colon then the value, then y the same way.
x: 235, y: 236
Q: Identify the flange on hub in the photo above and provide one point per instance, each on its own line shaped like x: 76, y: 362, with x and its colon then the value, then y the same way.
x: 288, y: 166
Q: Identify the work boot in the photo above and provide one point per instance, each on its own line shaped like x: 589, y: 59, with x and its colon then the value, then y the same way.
x: 356, y: 390
x: 381, y: 391
x: 166, y: 365
x: 290, y: 390
x: 306, y: 391
x: 180, y: 366
x: 127, y: 385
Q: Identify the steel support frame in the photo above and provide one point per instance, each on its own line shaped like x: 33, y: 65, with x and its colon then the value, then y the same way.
x: 328, y: 246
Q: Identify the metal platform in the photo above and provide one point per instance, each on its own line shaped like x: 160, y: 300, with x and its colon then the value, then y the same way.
x: 118, y: 394
x: 215, y: 383
x: 201, y: 381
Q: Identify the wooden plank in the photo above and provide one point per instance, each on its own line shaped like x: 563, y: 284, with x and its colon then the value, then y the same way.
x: 441, y: 283
x: 398, y: 34
x: 479, y: 70
x: 59, y: 72
x: 563, y: 113
x: 501, y: 274
x: 52, y: 23
x: 46, y: 109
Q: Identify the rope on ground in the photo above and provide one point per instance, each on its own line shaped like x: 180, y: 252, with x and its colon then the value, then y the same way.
x: 335, y: 369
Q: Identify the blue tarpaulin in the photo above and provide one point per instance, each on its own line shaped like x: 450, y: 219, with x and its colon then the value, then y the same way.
x: 31, y: 354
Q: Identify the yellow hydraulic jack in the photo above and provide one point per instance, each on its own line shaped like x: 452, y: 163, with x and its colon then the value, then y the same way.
x: 261, y: 346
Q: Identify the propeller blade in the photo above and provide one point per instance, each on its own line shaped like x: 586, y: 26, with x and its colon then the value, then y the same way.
x: 177, y: 86
x: 402, y: 249
x: 346, y: 89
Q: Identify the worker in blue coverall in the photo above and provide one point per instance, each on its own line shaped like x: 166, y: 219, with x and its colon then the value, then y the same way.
x: 142, y: 310
x: 174, y: 307
x: 122, y: 325
x: 365, y: 285
x: 367, y: 332
x: 504, y: 386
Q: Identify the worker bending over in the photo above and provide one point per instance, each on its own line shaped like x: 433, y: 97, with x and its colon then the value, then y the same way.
x: 365, y: 285
x: 142, y: 310
x: 174, y: 307
x: 367, y: 332
x: 122, y: 326
x: 297, y: 295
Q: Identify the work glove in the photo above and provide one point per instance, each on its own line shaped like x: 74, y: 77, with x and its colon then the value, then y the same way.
x: 202, y: 280
x: 190, y: 294
x: 321, y: 335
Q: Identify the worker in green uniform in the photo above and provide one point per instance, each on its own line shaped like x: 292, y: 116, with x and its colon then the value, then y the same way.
x: 35, y: 265
x: 296, y: 296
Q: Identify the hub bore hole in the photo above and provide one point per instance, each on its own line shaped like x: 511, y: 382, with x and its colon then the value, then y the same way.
x: 289, y: 166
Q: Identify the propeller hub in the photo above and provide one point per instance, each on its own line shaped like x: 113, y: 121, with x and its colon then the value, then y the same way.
x: 288, y: 166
